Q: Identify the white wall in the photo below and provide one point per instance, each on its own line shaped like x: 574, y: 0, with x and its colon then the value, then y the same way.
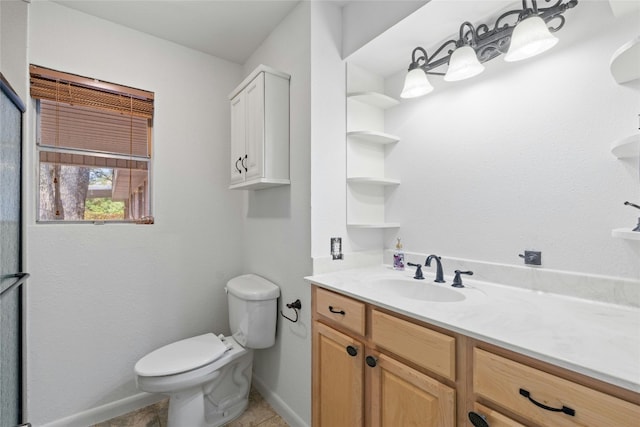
x: 13, y: 44
x: 100, y: 297
x: 328, y: 154
x: 519, y: 157
x: 362, y: 21
x: 277, y: 224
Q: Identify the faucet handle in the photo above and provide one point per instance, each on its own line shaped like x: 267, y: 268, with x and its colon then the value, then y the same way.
x: 457, y: 280
x: 418, y: 274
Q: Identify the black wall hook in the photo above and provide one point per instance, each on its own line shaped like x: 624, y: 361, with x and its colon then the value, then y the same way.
x: 295, y: 306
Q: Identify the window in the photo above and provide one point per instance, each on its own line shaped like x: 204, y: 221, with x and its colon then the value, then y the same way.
x: 94, y: 148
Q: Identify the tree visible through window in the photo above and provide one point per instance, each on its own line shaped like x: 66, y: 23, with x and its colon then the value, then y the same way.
x: 94, y: 148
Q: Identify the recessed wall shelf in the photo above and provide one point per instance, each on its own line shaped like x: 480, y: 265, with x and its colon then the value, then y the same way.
x: 372, y: 180
x: 367, y: 145
x: 375, y: 99
x: 374, y: 137
x: 628, y: 147
x: 625, y: 62
x: 376, y: 225
x: 625, y: 233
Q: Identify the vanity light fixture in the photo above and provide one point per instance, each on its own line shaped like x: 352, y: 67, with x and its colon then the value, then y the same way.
x: 463, y: 62
x: 528, y: 36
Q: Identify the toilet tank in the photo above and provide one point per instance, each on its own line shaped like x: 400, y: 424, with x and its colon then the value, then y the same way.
x: 253, y: 310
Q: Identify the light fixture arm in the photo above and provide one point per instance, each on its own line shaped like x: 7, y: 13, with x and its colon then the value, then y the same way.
x: 463, y: 36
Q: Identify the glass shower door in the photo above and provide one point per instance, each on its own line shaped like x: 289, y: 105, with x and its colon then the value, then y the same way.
x: 11, y: 278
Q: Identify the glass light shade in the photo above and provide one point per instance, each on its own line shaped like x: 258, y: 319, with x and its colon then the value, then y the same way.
x: 463, y: 64
x: 416, y: 84
x: 530, y: 37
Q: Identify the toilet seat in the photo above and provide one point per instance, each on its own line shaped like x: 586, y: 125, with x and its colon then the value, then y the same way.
x: 182, y: 356
x: 194, y: 377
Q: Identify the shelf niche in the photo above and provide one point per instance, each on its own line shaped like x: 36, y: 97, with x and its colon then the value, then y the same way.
x: 367, y: 145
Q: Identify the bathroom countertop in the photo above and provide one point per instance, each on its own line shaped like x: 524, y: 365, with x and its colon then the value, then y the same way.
x: 592, y: 338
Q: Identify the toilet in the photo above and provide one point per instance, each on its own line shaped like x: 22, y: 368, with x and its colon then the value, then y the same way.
x: 207, y: 377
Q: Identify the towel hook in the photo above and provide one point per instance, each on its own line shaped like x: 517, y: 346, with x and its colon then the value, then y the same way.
x: 295, y: 306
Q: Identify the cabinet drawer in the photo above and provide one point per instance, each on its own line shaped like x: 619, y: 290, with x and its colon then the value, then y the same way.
x: 342, y: 310
x: 515, y: 386
x: 422, y: 346
x: 495, y: 418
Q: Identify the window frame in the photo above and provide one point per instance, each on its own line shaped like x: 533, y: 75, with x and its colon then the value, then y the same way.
x: 146, y: 198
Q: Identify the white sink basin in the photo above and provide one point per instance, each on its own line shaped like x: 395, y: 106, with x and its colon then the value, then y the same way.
x: 417, y: 290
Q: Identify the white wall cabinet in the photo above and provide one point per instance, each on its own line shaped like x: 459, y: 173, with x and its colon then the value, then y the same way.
x: 260, y: 131
x: 367, y: 145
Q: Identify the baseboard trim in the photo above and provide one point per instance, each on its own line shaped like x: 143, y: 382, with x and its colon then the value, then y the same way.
x: 106, y: 412
x: 278, y: 404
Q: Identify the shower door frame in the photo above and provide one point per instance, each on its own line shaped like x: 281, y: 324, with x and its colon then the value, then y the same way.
x: 18, y: 278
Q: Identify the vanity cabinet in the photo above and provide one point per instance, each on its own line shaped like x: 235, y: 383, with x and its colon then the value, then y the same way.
x: 260, y: 131
x: 373, y: 367
x: 366, y: 368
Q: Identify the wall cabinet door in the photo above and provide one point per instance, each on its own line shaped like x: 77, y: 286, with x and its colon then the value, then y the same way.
x: 402, y: 396
x: 238, y: 136
x: 338, y: 387
x: 254, y: 98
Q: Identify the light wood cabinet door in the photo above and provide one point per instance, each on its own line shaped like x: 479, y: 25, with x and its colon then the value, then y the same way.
x: 338, y: 379
x: 402, y: 396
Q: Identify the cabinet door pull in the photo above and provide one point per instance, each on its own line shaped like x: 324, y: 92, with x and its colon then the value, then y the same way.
x: 371, y: 361
x: 564, y: 409
x: 244, y: 165
x: 353, y: 351
x: 237, y: 168
x: 331, y: 309
x: 478, y: 420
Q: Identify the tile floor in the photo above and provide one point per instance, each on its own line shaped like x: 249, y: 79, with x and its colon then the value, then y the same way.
x: 259, y: 413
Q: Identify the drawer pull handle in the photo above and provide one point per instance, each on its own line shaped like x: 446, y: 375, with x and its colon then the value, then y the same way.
x: 353, y: 351
x: 478, y: 420
x: 371, y: 361
x: 331, y: 309
x: 564, y: 409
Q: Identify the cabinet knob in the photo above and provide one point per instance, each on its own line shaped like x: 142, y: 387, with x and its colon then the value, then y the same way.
x: 353, y: 351
x: 478, y: 420
x: 371, y: 361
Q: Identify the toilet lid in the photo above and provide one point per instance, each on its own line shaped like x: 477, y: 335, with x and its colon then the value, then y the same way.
x: 181, y: 356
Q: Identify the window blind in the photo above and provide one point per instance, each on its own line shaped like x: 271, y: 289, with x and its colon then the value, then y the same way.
x: 71, y: 89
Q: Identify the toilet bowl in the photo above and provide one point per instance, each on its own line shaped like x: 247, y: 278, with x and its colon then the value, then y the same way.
x: 207, y: 377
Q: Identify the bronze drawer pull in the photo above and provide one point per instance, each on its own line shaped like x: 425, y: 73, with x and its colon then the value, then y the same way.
x: 564, y: 409
x: 331, y: 309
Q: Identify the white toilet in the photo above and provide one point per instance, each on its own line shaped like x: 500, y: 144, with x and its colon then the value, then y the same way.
x: 207, y: 378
